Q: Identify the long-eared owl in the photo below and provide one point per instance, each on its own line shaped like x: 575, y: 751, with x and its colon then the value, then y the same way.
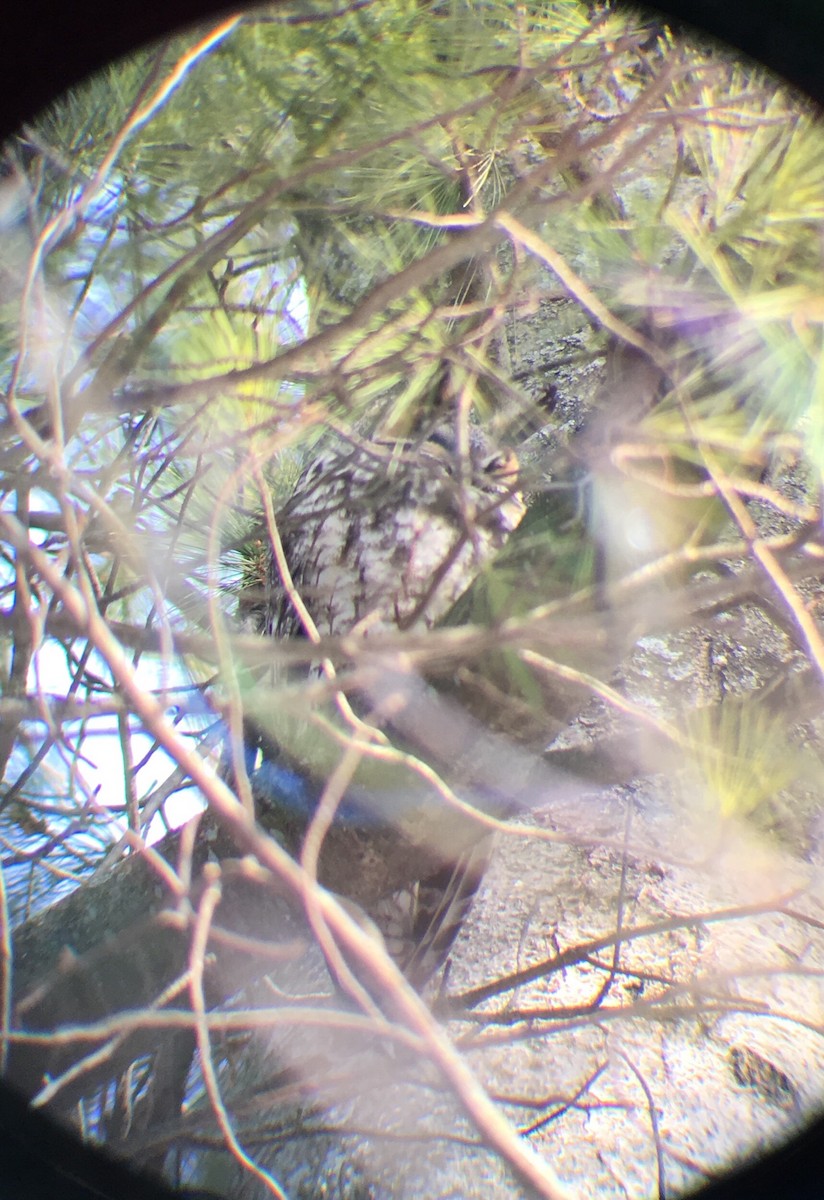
x: 386, y: 535
x: 389, y: 533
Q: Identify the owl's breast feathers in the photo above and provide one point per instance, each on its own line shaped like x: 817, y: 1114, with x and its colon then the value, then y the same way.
x: 392, y: 533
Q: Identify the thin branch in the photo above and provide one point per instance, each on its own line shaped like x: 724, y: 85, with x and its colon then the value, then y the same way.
x: 495, y: 1128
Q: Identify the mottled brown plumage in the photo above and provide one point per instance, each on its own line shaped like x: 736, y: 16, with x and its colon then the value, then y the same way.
x: 382, y: 536
x: 389, y: 533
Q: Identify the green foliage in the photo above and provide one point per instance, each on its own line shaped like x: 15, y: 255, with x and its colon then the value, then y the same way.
x: 346, y: 216
x: 743, y: 757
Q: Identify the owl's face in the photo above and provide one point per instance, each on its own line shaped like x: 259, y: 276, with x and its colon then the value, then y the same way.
x: 387, y: 535
x: 490, y: 476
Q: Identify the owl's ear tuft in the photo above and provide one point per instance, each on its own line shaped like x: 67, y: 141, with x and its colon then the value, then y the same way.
x: 481, y: 444
x: 443, y: 435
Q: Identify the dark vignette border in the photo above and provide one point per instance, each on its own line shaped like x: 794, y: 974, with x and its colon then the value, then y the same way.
x: 47, y: 46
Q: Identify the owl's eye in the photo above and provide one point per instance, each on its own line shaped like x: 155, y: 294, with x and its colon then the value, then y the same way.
x: 504, y: 463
